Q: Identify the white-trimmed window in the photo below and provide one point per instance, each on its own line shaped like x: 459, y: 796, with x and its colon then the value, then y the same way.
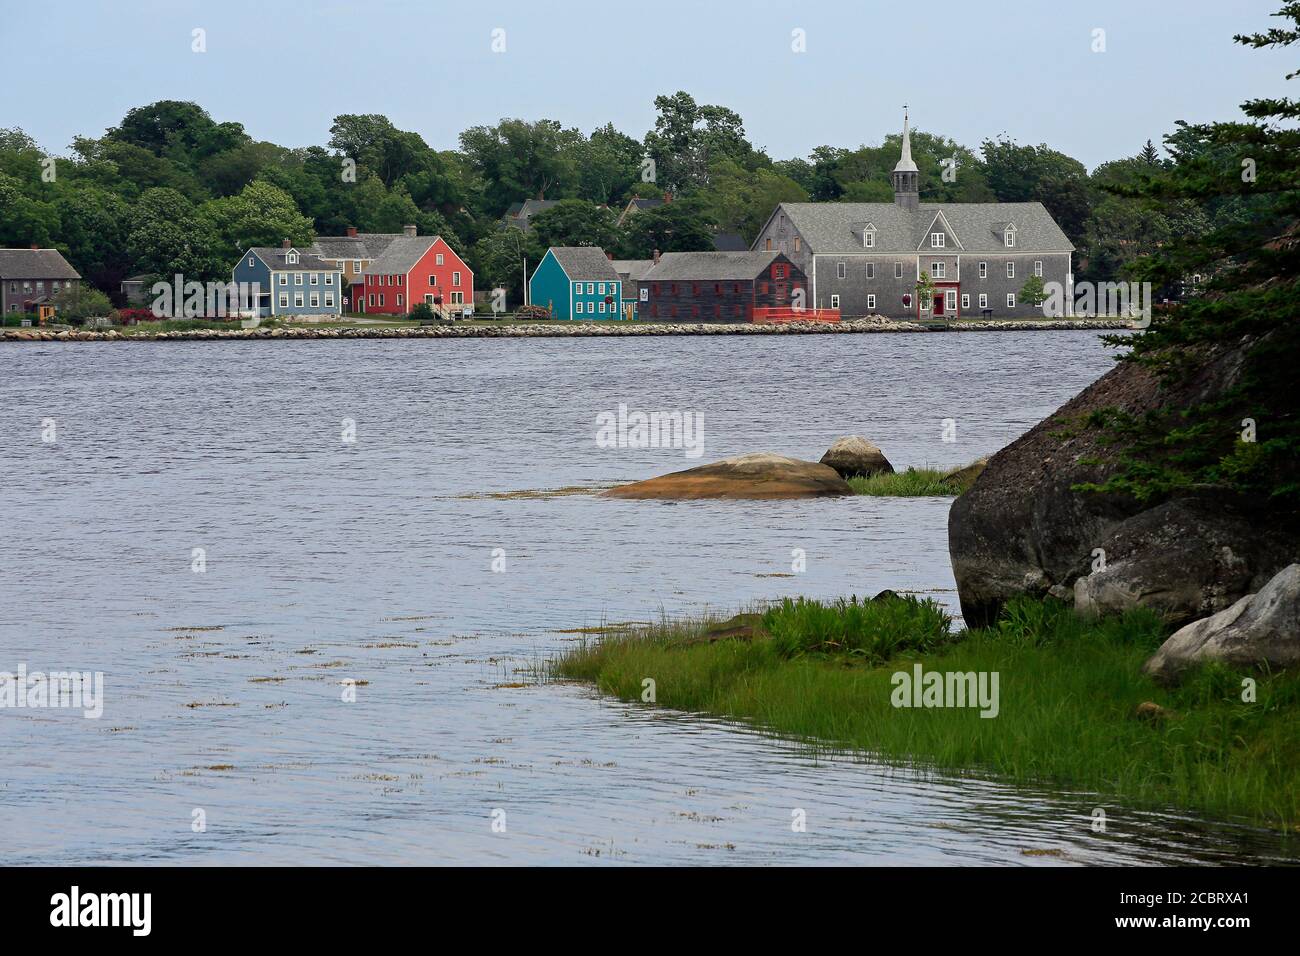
x: 868, y: 239
x: 1011, y: 300
x: 284, y: 278
x: 399, y: 298
x: 984, y: 270
x: 950, y: 300
x: 936, y: 240
x: 835, y: 302
x: 315, y: 278
x: 871, y: 301
x: 437, y: 259
x: 602, y: 306
x: 898, y: 270
x: 591, y: 288
x: 372, y: 298
x: 1038, y: 268
x: 841, y: 270
x: 433, y: 279
x: 292, y: 258
x: 1011, y: 270
x: 250, y: 262
x: 458, y: 298
x: 381, y: 300
x: 284, y: 300
x: 297, y: 278
x: 315, y: 300
x: 455, y: 278
x: 356, y: 265
x: 602, y: 288
x: 329, y: 278
x: 965, y: 300
x: 938, y: 270
x: 871, y: 270
x: 984, y: 300
x: 1010, y: 237
x: 297, y: 300
x: 329, y: 300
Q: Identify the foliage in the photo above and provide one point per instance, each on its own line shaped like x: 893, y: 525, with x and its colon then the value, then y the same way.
x: 81, y: 301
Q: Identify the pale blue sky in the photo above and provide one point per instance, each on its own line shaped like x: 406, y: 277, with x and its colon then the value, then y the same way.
x: 285, y: 68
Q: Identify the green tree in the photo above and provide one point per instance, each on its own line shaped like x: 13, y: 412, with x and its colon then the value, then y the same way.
x: 573, y: 222
x: 679, y: 226
x: 1032, y: 292
x: 81, y: 301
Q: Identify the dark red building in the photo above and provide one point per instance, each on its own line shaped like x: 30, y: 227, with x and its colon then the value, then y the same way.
x: 720, y: 286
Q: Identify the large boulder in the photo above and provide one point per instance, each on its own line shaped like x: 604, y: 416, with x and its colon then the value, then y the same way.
x: 761, y: 475
x: 1023, y: 528
x: 854, y: 456
x: 1261, y: 629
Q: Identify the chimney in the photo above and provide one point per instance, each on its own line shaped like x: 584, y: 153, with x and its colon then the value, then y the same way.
x: 656, y: 257
x: 609, y: 256
x: 409, y: 231
x: 352, y: 232
x: 286, y: 244
x: 35, y: 247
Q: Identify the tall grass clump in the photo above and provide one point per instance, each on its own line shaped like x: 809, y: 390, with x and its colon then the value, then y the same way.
x: 873, y: 631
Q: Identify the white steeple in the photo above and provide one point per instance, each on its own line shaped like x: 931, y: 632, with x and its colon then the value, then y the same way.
x: 905, y: 164
x: 905, y: 177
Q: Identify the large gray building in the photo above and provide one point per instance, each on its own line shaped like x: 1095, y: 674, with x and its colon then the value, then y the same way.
x: 866, y: 258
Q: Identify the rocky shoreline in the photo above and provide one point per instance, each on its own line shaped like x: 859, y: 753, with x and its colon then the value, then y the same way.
x: 566, y: 330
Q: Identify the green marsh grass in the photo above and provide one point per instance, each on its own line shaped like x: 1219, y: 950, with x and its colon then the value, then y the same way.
x: 912, y: 483
x: 1069, y: 689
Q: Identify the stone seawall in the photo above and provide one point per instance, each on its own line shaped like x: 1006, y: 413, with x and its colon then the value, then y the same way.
x: 557, y: 330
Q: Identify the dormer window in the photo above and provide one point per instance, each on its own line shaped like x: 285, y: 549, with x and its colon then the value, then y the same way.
x: 1010, y: 236
x: 936, y: 240
x: 869, y: 239
x: 291, y: 258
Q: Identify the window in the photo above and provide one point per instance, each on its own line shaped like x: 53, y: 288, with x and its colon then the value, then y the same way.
x: 695, y: 288
x: 936, y: 240
x: 284, y: 278
x: 835, y: 302
x: 762, y: 288
x: 329, y: 300
x: 798, y: 243
x: 55, y: 285
x: 284, y: 300
x: 291, y: 258
x: 869, y: 239
x: 400, y: 280
x: 1011, y: 300
x: 984, y: 270
x: 591, y: 288
x: 871, y: 270
x: 315, y: 278
x: 455, y: 278
x: 1010, y: 238
x: 768, y: 245
x: 984, y: 300
x: 965, y: 300
x: 602, y: 288
x: 950, y: 300
x: 938, y: 270
x: 1011, y: 270
x: 297, y: 278
x: 871, y: 302
x: 315, y: 300
x: 297, y: 300
x: 602, y: 306
x: 372, y: 298
x: 329, y: 278
x: 399, y: 298
x: 438, y: 259
x: 356, y: 265
x: 841, y: 270
x: 381, y: 300
x: 458, y: 298
x: 433, y: 279
x: 898, y: 270
x: 1038, y: 268
x: 250, y: 262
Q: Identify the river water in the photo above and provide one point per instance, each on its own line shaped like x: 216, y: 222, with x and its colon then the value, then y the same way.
x: 233, y: 532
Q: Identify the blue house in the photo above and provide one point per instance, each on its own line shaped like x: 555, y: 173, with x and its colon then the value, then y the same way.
x: 291, y: 282
x: 577, y: 282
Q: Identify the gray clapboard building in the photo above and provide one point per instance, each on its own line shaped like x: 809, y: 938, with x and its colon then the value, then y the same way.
x: 866, y: 258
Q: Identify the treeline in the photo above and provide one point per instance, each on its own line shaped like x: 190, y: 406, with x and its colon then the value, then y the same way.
x: 171, y: 190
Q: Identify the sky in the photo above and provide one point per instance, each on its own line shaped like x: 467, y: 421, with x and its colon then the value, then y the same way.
x: 968, y: 70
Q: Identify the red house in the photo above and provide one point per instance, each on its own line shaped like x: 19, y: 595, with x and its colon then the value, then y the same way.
x: 416, y: 269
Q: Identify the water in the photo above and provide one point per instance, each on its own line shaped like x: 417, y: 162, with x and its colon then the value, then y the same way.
x: 371, y: 561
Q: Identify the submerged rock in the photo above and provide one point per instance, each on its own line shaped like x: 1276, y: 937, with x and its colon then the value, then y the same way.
x: 854, y: 456
x: 756, y: 476
x: 962, y: 478
x: 1261, y: 629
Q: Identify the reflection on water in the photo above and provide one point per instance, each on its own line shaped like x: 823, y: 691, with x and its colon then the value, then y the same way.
x: 328, y: 562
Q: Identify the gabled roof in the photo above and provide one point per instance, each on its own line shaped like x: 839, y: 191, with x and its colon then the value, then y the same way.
x: 274, y: 257
x: 35, y: 264
x: 527, y: 209
x: 364, y: 245
x: 401, y: 254
x: 828, y: 227
x: 585, y: 263
x: 729, y: 242
x: 632, y: 269
x: 708, y: 266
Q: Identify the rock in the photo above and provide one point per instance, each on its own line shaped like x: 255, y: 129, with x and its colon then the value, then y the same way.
x: 1261, y: 629
x: 962, y: 478
x: 854, y: 456
x: 1152, y: 713
x: 756, y: 476
x: 1023, y: 528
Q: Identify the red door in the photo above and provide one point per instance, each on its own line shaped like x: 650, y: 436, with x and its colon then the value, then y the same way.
x: 938, y: 301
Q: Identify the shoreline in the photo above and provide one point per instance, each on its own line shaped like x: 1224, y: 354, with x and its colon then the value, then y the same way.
x: 557, y: 330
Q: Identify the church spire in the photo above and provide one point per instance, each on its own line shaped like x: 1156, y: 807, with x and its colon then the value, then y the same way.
x: 905, y: 176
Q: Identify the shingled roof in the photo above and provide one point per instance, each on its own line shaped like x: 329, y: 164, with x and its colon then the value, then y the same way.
x: 274, y: 257
x: 709, y: 266
x: 401, y: 255
x: 35, y: 264
x: 585, y: 264
x: 364, y: 245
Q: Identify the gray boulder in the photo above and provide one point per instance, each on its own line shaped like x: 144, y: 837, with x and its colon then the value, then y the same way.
x: 853, y: 456
x: 1261, y: 629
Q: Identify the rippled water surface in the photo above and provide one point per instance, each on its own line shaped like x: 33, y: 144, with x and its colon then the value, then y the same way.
x: 371, y: 561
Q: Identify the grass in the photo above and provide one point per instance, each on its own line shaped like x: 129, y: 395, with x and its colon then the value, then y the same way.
x: 913, y: 483
x: 1069, y: 689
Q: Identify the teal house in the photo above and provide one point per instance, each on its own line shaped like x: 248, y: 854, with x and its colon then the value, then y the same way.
x: 577, y: 282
